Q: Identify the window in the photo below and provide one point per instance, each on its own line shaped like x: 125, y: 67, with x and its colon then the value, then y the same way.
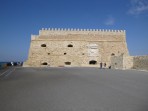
x: 64, y: 53
x: 43, y: 45
x: 92, y: 62
x: 48, y: 53
x: 68, y: 63
x: 70, y: 45
x: 44, y: 63
x: 112, y: 54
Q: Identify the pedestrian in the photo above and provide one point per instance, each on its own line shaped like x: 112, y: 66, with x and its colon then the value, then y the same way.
x: 109, y: 67
x: 104, y: 65
x: 101, y: 65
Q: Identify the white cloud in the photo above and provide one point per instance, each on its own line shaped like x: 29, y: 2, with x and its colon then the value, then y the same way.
x: 110, y: 21
x: 138, y: 7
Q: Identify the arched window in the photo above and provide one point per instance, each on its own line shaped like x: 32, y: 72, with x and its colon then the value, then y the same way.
x: 68, y: 63
x: 70, y: 45
x: 44, y: 63
x: 43, y: 45
x: 92, y: 62
x: 112, y: 54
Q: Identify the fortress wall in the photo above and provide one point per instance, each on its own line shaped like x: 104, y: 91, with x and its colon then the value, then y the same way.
x: 140, y: 62
x: 54, y: 53
x: 122, y: 62
x: 78, y: 54
x: 117, y: 62
x: 106, y: 43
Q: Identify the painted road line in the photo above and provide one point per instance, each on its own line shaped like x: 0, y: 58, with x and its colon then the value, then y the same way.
x: 4, y: 72
x: 9, y: 72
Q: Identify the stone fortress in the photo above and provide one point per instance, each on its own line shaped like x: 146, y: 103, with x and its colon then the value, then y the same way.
x: 79, y: 48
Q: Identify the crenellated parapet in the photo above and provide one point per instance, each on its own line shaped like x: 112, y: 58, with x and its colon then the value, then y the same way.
x: 34, y: 37
x: 65, y: 31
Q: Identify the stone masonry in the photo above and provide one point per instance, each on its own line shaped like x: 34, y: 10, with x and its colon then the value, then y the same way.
x: 122, y: 62
x: 140, y: 62
x: 75, y: 47
x: 130, y: 62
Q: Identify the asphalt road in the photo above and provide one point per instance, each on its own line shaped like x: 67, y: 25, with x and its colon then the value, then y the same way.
x: 73, y: 89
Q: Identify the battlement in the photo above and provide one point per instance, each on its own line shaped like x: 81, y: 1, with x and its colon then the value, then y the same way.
x: 64, y: 31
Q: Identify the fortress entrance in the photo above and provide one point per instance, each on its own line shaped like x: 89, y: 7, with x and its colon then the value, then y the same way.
x: 92, y: 62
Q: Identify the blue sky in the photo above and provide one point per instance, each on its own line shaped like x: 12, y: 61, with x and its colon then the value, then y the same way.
x: 21, y: 18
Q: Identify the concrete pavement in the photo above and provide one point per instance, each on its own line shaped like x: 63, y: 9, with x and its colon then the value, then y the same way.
x: 74, y: 89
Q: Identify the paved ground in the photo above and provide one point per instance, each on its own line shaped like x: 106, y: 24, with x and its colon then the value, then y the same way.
x: 73, y: 89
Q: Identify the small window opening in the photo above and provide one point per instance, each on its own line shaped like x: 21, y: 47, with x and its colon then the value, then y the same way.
x: 68, y: 63
x: 115, y: 63
x: 44, y: 63
x: 92, y: 62
x: 43, y: 45
x: 70, y: 45
x: 112, y: 54
x: 65, y: 53
x: 48, y: 53
x: 82, y: 53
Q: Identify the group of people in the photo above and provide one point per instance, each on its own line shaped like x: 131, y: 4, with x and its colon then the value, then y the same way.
x: 103, y: 65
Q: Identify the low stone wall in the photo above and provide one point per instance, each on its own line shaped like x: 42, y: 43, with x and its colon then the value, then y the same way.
x: 140, y: 62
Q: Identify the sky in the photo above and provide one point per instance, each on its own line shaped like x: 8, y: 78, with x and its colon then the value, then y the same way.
x: 21, y: 18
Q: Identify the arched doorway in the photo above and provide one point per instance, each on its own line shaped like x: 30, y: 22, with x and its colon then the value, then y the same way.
x: 92, y: 62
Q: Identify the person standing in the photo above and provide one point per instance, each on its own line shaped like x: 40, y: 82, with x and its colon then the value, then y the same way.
x: 101, y: 65
x: 104, y: 65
